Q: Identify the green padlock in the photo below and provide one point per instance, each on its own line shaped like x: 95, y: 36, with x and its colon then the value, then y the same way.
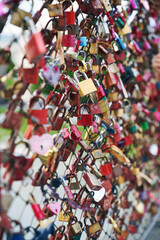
x: 145, y: 126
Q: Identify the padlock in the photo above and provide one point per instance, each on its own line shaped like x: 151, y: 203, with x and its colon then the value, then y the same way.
x: 132, y: 228
x: 106, y: 170
x: 70, y: 15
x: 91, y: 180
x: 84, y: 119
x: 96, y: 6
x: 51, y: 209
x: 56, y: 119
x: 104, y: 107
x: 86, y: 86
x: 40, y: 114
x: 106, y: 5
x: 97, y: 153
x: 93, y: 45
x: 36, y: 208
x: 16, y: 235
x: 55, y: 10
x: 12, y: 119
x: 74, y: 226
x: 109, y: 80
x: 35, y: 48
x: 125, y: 30
x: 75, y: 133
x: 83, y: 41
x: 94, y: 228
x: 73, y: 185
x: 18, y: 17
x: 51, y: 72
x: 94, y: 62
x: 28, y: 75
x: 59, y: 24
x: 66, y: 149
x: 59, y: 234
x: 128, y: 140
x: 107, y: 185
x: 64, y: 216
x: 68, y: 40
x: 113, y: 96
x: 95, y: 108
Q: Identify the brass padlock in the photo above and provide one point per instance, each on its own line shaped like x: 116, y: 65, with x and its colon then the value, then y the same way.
x: 55, y: 10
x: 86, y: 86
x: 64, y: 217
x: 97, y: 153
x: 93, y: 48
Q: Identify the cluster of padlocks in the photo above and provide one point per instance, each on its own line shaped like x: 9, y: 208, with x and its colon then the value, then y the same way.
x: 92, y: 119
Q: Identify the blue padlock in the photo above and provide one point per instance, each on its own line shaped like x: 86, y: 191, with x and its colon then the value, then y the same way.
x: 120, y: 42
x: 83, y: 41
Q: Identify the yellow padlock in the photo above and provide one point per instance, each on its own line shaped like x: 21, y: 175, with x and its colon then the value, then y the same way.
x: 86, y: 86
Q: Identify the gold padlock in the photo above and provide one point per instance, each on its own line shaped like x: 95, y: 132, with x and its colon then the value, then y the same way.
x: 113, y: 96
x: 49, y: 156
x: 18, y: 16
x: 55, y: 10
x: 86, y: 86
x: 120, y: 112
x: 64, y: 217
x: 97, y: 153
x: 104, y: 105
x: 126, y: 30
x: 121, y: 179
x: 93, y: 48
x: 94, y: 228
x: 90, y: 136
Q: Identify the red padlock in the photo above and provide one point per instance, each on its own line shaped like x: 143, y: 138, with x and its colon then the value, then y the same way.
x: 106, y: 170
x: 68, y: 40
x: 29, y: 75
x: 85, y: 119
x: 36, y: 208
x: 35, y: 48
x: 70, y: 17
x: 40, y: 114
x: 128, y: 140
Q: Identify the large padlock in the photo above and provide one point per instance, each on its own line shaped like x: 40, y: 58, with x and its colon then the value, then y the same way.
x: 86, y: 86
x: 35, y: 48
